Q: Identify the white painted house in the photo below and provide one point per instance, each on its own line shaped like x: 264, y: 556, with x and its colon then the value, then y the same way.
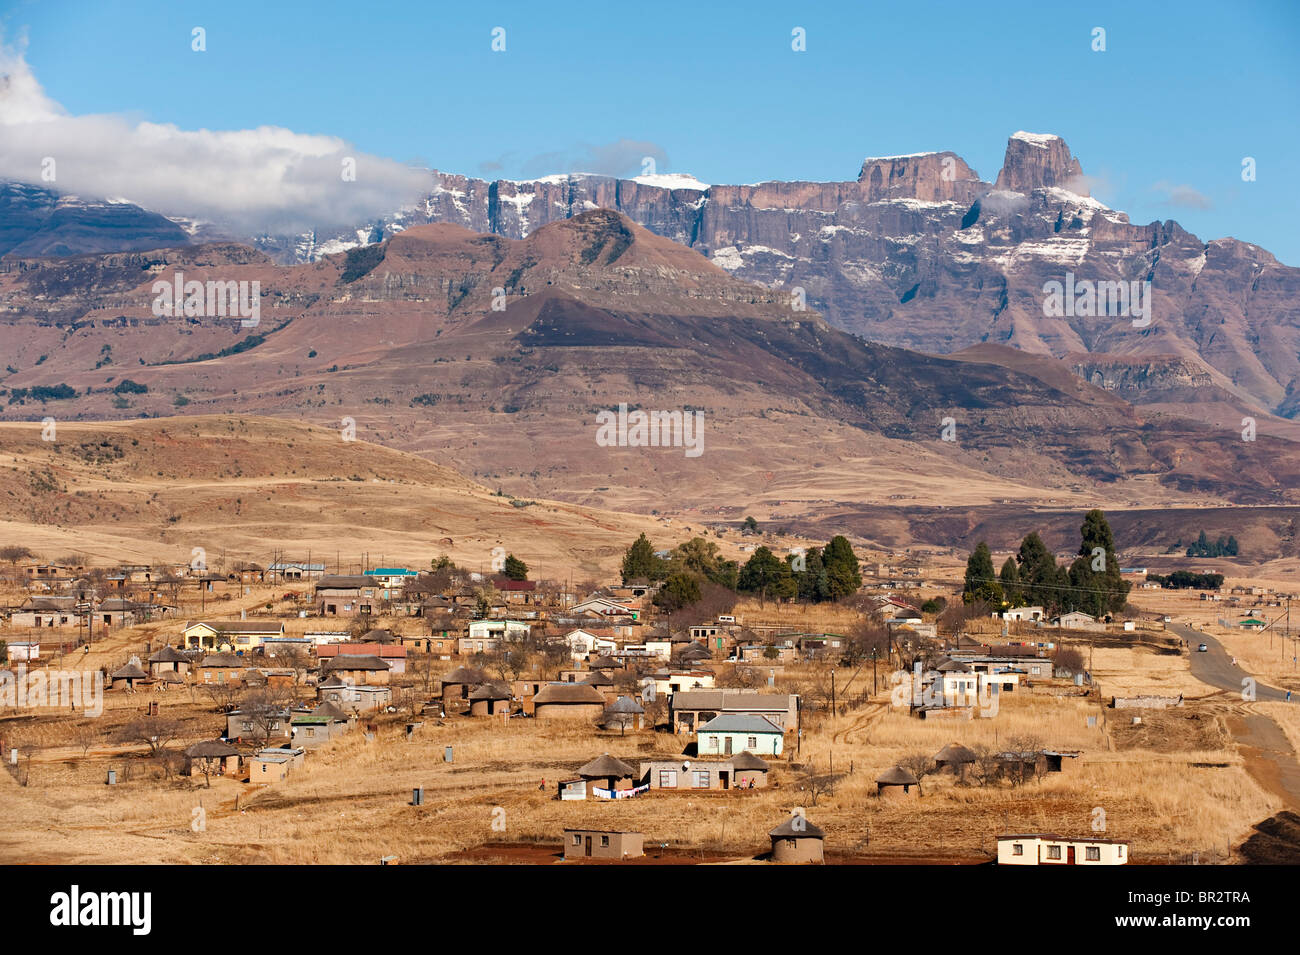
x: 498, y: 629
x: 728, y: 735
x: 1031, y: 614
x: 1041, y: 848
x: 583, y: 643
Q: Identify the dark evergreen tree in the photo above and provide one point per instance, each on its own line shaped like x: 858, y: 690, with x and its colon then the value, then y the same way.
x: 981, y: 584
x: 640, y: 562
x: 842, y: 571
x: 767, y: 575
x: 515, y: 569
x: 1037, y: 572
x: 1009, y: 577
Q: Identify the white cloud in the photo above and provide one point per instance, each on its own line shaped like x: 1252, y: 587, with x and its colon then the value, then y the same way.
x: 251, y: 180
x: 1182, y: 196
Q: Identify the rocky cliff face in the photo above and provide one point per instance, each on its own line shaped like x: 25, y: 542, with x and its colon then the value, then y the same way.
x: 1037, y: 161
x: 404, y: 339
x: 919, y: 252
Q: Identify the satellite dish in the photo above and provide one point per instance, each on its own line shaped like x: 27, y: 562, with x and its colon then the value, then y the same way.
x: 686, y: 765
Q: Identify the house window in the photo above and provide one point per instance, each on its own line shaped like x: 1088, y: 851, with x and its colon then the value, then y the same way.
x: 1053, y: 852
x: 752, y: 742
x: 1121, y: 851
x: 604, y: 841
x: 713, y: 742
x: 577, y: 839
x: 1017, y: 849
x: 701, y: 779
x: 667, y: 779
x: 1092, y: 853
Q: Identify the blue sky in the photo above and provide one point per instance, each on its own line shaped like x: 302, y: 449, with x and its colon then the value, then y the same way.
x: 1162, y: 119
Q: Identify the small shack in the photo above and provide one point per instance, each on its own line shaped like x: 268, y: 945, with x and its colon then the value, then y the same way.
x: 602, y: 844
x: 897, y: 783
x: 797, y: 841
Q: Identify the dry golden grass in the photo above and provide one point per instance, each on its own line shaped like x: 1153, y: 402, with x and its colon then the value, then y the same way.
x: 1136, y: 671
x: 350, y: 803
x: 152, y: 490
x: 1266, y: 656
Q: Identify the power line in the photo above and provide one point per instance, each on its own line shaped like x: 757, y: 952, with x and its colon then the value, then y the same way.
x: 1030, y: 586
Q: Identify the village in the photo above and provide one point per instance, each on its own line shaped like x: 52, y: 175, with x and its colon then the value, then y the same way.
x: 299, y: 711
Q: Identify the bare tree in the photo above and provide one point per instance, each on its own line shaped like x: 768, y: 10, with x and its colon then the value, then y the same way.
x: 987, y: 768
x: 13, y: 553
x: 225, y: 694
x: 866, y: 635
x: 817, y: 785
x: 156, y: 732
x: 84, y: 737
x: 1022, y: 757
x: 265, y: 715
x: 298, y: 659
x: 919, y: 765
x: 622, y: 720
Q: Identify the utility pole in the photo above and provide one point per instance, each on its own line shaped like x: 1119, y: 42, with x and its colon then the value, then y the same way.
x: 832, y: 699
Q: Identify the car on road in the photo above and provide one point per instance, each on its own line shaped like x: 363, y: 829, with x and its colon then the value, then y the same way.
x: 1202, y: 648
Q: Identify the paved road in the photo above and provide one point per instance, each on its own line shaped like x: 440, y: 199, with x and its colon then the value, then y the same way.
x: 1215, y: 665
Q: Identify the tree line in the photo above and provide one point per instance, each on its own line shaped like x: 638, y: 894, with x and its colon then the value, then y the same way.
x: 821, y: 574
x: 1090, y: 583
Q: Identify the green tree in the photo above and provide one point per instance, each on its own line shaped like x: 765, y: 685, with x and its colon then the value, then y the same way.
x: 813, y: 582
x: 1098, y: 586
x: 842, y: 571
x: 981, y: 586
x: 678, y: 591
x: 1009, y: 577
x: 767, y: 575
x: 515, y: 569
x: 701, y: 557
x: 1037, y: 572
x: 640, y: 561
x: 750, y: 526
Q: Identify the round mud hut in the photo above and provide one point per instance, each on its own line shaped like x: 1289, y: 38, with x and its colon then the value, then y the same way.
x: 749, y: 772
x: 608, y: 772
x: 897, y: 783
x: 797, y: 841
x: 955, y: 759
x: 126, y: 677
x: 568, y: 701
x: 623, y: 714
x: 457, y: 684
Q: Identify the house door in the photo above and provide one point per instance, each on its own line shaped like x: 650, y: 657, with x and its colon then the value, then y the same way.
x: 587, y: 847
x: 1069, y: 855
x: 727, y: 746
x: 724, y: 778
